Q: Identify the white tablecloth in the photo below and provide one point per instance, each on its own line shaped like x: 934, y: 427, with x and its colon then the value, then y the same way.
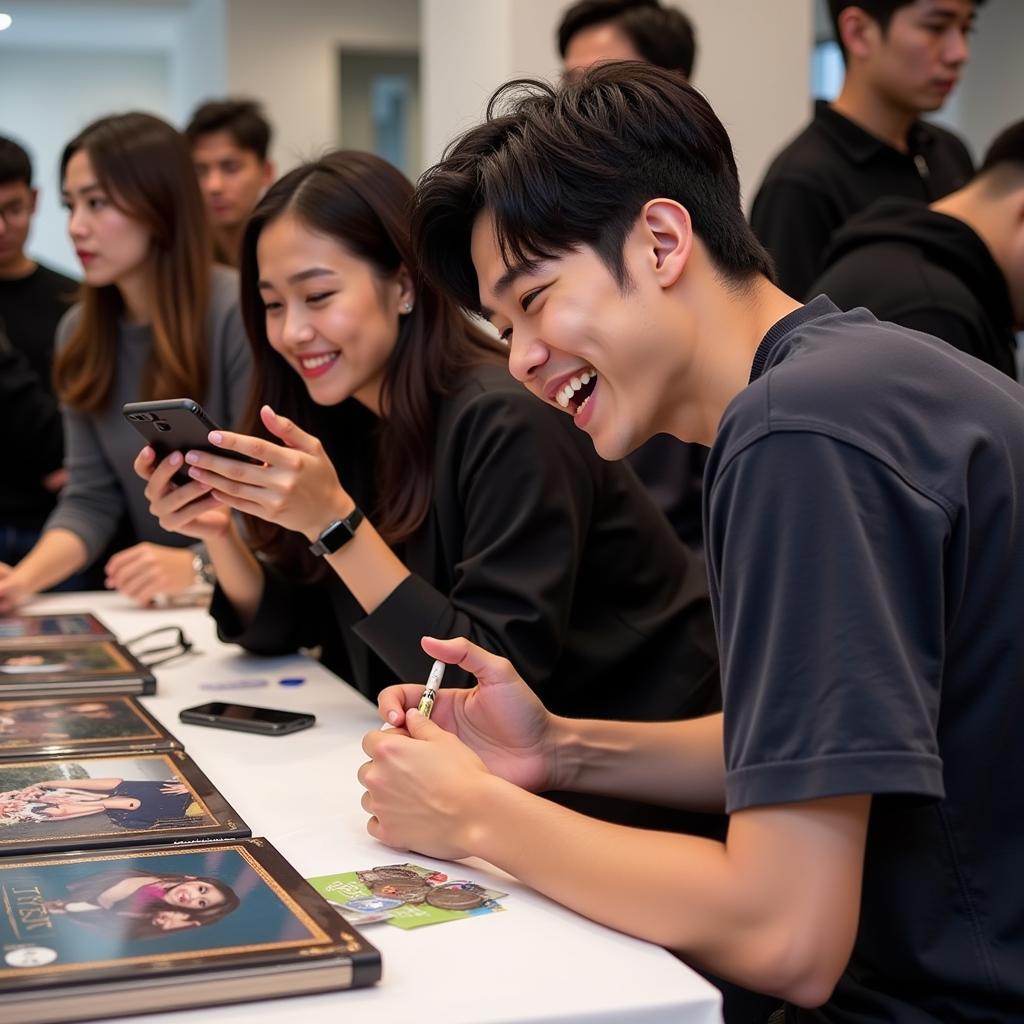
x: 535, y: 962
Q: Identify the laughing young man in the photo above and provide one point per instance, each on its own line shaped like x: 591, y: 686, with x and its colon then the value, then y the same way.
x: 863, y: 509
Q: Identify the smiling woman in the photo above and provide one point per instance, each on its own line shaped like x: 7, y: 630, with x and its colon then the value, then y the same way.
x: 437, y: 494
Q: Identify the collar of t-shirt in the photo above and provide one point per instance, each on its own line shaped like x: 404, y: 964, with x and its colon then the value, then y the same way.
x: 819, y: 306
x: 860, y: 145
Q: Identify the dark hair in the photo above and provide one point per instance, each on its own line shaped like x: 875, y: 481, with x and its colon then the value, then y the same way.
x: 140, y: 920
x: 15, y: 164
x: 143, y: 927
x: 880, y: 11
x: 661, y: 35
x: 145, y: 168
x: 1006, y: 148
x: 362, y: 202
x: 243, y: 120
x: 573, y: 166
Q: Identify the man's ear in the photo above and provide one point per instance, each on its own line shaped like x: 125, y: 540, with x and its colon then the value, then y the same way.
x: 34, y: 193
x: 268, y: 173
x: 669, y: 235
x: 859, y: 32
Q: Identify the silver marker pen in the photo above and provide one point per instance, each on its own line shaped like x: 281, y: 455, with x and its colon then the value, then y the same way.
x: 426, y: 704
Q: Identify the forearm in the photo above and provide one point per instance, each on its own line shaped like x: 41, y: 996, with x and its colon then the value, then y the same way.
x: 239, y: 574
x: 368, y: 567
x: 98, y: 785
x: 749, y: 910
x: 58, y: 554
x: 675, y: 764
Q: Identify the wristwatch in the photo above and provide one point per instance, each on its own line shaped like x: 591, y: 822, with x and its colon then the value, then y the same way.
x: 203, y: 567
x: 339, y: 533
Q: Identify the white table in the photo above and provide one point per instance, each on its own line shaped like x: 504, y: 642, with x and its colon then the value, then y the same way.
x: 536, y: 961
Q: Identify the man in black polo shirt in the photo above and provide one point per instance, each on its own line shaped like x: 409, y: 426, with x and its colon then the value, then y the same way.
x: 902, y: 59
x: 953, y: 269
x: 864, y: 518
x: 33, y: 298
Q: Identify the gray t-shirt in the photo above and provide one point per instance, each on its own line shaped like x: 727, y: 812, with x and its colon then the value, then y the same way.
x: 101, y: 447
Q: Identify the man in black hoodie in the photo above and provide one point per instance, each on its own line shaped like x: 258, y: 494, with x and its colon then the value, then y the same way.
x: 954, y: 269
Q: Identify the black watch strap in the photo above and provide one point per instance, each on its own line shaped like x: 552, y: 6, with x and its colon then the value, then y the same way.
x: 339, y: 533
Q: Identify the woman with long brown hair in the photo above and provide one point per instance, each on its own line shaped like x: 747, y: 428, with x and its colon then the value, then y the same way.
x: 155, y: 320
x: 487, y: 513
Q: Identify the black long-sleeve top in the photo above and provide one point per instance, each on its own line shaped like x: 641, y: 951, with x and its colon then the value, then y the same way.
x: 30, y: 420
x: 533, y: 547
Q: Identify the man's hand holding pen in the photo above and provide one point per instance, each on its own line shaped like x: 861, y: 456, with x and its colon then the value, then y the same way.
x: 427, y: 777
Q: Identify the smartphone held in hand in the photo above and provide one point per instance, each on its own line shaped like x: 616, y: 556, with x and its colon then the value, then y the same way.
x: 175, y: 425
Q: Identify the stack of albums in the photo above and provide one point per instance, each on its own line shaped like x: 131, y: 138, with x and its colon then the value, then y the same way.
x: 69, y: 653
x: 113, y: 932
x: 128, y: 883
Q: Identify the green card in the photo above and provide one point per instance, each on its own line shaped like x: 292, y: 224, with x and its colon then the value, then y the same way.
x: 405, y: 895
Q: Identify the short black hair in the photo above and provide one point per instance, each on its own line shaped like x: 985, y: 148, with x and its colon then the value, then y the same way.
x: 15, y: 164
x: 560, y: 168
x: 1006, y: 148
x: 661, y: 35
x: 880, y: 11
x: 243, y: 120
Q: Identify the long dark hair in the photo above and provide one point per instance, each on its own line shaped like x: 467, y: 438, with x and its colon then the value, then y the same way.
x: 145, y: 168
x: 363, y: 203
x: 139, y: 923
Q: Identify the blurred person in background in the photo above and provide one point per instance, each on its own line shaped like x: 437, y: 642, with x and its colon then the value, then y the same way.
x: 230, y: 140
x: 903, y: 59
x: 33, y: 298
x: 156, y: 320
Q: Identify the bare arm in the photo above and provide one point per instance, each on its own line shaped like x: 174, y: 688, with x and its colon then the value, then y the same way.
x: 71, y: 809
x: 238, y: 572
x: 297, y: 487
x: 58, y: 554
x: 775, y: 908
x: 101, y: 785
x: 674, y: 764
x: 189, y: 510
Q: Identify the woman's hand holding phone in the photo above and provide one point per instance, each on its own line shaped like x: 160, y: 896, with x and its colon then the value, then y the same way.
x: 187, y: 509
x: 295, y: 485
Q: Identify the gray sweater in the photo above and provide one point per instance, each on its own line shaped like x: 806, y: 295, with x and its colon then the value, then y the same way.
x: 101, y: 447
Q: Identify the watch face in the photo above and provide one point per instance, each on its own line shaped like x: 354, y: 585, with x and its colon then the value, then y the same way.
x: 340, y: 532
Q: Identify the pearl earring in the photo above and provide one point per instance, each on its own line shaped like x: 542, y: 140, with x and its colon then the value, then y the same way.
x: 406, y: 307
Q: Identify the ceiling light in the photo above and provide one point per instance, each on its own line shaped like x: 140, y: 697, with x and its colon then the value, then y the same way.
x: 5, y: 21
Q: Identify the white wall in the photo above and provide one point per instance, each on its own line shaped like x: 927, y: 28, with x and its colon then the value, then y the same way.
x: 51, y: 114
x: 469, y: 47
x: 991, y: 93
x: 63, y: 64
x: 286, y: 56
x: 753, y: 65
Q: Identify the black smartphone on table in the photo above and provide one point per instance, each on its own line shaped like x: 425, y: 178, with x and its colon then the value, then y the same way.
x: 176, y: 425
x: 245, y: 718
